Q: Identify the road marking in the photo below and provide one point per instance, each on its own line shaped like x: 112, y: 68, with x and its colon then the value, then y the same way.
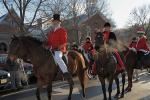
x: 65, y: 91
x: 17, y: 92
x: 64, y: 84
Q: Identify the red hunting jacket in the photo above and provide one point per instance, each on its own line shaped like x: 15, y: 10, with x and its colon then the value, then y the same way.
x: 88, y: 47
x: 133, y: 45
x: 57, y: 40
x: 142, y: 44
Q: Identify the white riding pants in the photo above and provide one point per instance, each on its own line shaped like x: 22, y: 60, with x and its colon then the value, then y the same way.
x: 58, y: 59
x: 86, y: 56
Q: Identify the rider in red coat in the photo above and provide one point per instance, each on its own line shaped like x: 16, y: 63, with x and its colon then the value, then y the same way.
x: 88, y: 49
x: 110, y: 39
x: 57, y: 41
x: 133, y: 43
x: 142, y: 46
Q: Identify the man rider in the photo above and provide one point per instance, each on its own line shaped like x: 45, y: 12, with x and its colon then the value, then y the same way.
x: 111, y: 40
x: 57, y: 41
x: 141, y: 46
x: 88, y: 50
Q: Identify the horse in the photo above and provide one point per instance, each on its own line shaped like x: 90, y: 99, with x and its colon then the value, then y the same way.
x: 45, y: 68
x: 106, y: 68
x: 131, y: 63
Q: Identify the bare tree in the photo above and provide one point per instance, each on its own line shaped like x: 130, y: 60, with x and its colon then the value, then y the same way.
x: 102, y: 6
x: 54, y: 6
x: 140, y: 17
x: 76, y: 8
x: 24, y: 7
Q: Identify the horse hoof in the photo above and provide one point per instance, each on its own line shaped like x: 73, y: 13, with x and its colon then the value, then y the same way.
x: 84, y: 95
x: 116, y: 96
x: 69, y: 98
x: 122, y: 96
x: 127, y: 90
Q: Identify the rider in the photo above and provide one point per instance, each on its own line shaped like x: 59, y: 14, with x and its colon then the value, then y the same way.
x: 133, y: 43
x: 110, y: 39
x: 88, y: 50
x: 57, y: 41
x: 74, y: 47
x: 142, y: 46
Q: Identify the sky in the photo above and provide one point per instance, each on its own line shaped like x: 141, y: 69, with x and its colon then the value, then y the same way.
x: 122, y: 8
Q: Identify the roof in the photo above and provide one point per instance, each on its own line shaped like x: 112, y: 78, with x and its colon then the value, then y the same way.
x: 97, y: 13
x: 3, y: 17
x: 84, y: 17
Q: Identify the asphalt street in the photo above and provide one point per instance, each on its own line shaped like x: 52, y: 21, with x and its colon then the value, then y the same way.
x: 140, y: 91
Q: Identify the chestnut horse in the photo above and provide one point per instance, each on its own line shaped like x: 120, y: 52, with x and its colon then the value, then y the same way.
x: 45, y: 67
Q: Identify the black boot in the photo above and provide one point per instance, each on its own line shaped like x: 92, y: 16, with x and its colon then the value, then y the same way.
x: 68, y: 77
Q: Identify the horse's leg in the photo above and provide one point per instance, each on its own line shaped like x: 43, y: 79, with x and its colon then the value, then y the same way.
x: 130, y: 74
x: 118, y: 87
x: 68, y: 77
x: 83, y: 79
x: 49, y: 90
x: 38, y: 94
x: 102, y: 80
x: 123, y: 83
x: 110, y: 86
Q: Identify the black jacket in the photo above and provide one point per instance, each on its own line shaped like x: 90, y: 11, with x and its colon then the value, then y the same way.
x: 112, y: 36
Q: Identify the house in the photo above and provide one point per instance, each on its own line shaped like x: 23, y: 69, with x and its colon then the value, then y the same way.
x: 8, y: 28
x: 83, y: 26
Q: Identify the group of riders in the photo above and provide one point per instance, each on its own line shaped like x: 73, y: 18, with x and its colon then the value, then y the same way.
x: 57, y: 42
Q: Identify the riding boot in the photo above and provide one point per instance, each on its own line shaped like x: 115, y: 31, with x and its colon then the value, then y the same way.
x: 68, y: 77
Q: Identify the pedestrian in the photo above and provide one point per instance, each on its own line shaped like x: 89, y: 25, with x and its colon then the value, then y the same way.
x: 14, y: 74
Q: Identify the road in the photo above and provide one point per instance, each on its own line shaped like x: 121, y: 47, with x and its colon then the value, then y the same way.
x: 140, y: 91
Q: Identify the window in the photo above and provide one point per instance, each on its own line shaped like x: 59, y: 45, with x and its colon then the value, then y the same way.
x: 3, y: 58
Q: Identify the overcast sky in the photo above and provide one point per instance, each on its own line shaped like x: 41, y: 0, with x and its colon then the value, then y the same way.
x: 122, y: 8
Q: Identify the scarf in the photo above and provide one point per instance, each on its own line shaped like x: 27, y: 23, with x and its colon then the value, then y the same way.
x: 106, y: 36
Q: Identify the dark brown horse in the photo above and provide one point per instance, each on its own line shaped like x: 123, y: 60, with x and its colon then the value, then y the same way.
x: 106, y: 67
x: 44, y: 65
x: 131, y: 64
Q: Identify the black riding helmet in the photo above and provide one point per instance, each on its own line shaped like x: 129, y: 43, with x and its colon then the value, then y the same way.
x: 107, y: 24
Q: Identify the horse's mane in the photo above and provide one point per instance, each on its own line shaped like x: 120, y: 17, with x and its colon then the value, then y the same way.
x: 35, y: 40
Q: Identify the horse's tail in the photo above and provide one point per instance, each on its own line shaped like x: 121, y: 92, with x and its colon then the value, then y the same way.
x: 76, y: 55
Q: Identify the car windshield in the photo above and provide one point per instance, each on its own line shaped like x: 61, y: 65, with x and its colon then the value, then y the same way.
x: 3, y: 58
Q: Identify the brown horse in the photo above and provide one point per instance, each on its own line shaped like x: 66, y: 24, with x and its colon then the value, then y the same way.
x: 106, y: 68
x: 44, y: 65
x: 131, y: 63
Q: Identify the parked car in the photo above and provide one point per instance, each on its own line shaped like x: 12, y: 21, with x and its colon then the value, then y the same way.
x: 3, y: 59
x: 4, y: 80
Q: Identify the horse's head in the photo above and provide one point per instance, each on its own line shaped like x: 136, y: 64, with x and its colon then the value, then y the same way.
x: 99, y: 41
x: 16, y: 49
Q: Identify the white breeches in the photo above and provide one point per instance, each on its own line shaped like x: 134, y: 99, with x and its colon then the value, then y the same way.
x: 58, y: 59
x: 86, y: 56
